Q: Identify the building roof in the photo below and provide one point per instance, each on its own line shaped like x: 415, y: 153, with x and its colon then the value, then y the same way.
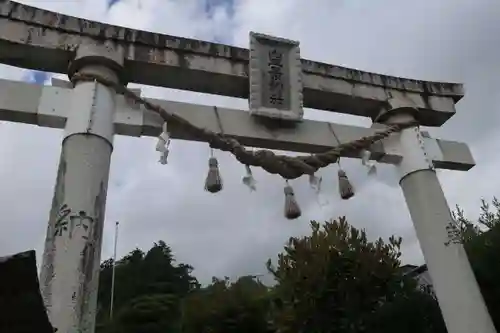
x: 22, y: 306
x: 415, y: 270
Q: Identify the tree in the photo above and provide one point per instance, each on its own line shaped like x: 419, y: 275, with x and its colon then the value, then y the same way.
x: 148, y: 288
x: 155, y: 313
x: 335, y: 279
x: 227, y: 307
x: 413, y: 311
x: 482, y: 244
x: 481, y: 240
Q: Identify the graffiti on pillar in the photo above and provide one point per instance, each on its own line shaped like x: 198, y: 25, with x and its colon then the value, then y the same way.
x: 454, y: 234
x: 66, y: 221
x: 81, y: 220
x: 61, y: 224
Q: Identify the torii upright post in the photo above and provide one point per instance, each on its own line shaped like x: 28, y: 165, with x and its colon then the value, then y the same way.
x: 456, y: 288
x: 71, y: 261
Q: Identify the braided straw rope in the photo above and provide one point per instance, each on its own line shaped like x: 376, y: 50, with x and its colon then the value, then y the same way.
x: 286, y: 166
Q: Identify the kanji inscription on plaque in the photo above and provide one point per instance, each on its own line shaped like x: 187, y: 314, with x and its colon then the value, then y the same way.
x: 275, y: 77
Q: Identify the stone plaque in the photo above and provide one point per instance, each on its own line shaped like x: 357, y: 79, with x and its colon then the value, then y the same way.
x: 275, y: 74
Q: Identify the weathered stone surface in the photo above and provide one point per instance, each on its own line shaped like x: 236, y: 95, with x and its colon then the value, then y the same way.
x: 44, y: 40
x: 48, y: 106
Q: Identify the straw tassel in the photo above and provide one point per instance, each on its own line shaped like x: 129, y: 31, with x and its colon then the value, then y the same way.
x: 213, y: 183
x: 292, y: 209
x: 345, y: 188
x: 248, y: 180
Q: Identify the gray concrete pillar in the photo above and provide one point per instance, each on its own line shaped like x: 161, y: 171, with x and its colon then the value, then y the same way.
x: 455, y: 285
x: 71, y: 260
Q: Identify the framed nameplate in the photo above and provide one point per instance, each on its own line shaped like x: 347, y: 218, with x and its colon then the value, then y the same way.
x: 275, y: 74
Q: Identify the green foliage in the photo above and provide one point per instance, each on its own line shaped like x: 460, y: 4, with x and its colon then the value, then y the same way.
x: 482, y: 243
x: 334, y: 279
x: 414, y: 311
x: 146, y: 285
x: 157, y: 313
x: 227, y: 307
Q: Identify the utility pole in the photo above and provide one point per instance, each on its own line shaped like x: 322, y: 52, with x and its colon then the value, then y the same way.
x: 111, y: 302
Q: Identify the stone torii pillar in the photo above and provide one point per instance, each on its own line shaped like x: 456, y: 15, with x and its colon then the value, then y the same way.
x: 71, y: 261
x: 459, y: 297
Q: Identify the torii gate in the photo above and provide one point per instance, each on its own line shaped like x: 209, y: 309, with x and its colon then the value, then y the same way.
x: 91, y: 113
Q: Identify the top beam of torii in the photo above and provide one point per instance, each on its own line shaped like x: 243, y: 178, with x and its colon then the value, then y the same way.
x: 39, y: 39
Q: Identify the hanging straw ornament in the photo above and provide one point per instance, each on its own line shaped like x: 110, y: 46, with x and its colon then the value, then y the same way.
x: 213, y: 183
x: 365, y: 160
x: 163, y: 144
x: 315, y: 182
x: 292, y: 209
x: 345, y: 187
x: 248, y: 180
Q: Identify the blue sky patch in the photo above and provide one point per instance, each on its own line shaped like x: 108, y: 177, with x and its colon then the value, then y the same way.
x: 211, y: 5
x: 37, y: 77
x: 111, y: 3
x: 40, y: 77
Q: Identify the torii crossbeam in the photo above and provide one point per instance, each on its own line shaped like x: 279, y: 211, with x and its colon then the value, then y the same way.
x: 91, y: 113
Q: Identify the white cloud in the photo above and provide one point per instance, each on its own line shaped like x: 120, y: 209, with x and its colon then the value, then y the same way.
x: 234, y: 232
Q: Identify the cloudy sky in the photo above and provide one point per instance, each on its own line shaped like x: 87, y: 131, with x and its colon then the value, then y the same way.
x: 235, y: 231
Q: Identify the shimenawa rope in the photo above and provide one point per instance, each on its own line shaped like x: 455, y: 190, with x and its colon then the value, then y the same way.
x: 286, y: 166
